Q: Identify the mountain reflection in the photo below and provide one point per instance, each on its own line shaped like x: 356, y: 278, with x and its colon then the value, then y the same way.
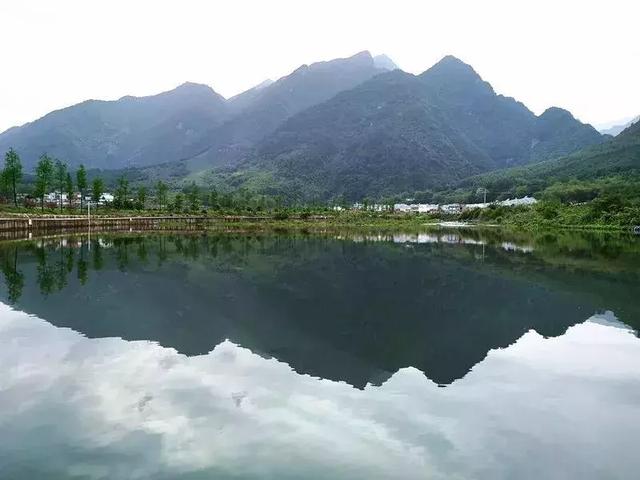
x: 74, y: 407
x: 353, y: 307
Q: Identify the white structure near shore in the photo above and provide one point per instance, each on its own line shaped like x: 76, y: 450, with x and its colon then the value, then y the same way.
x: 453, y: 208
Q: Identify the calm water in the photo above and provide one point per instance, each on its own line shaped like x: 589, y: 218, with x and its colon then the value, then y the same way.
x: 445, y: 355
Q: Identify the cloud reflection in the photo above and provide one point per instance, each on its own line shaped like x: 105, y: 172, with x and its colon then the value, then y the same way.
x: 565, y: 407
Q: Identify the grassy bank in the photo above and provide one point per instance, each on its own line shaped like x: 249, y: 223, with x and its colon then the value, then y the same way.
x: 596, y: 215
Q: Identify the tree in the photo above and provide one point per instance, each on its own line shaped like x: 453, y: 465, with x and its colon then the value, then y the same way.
x: 68, y: 186
x: 193, y: 196
x: 122, y: 193
x: 213, y: 199
x: 97, y: 189
x: 60, y: 178
x: 44, y: 178
x: 12, y: 173
x: 178, y: 203
x: 161, y: 194
x: 141, y: 197
x: 81, y: 182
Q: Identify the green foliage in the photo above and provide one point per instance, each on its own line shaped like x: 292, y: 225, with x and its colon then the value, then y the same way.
x: 81, y: 181
x: 68, y: 184
x: 97, y: 189
x: 44, y: 177
x: 12, y: 173
x: 192, y: 194
x: 161, y: 194
x: 60, y: 178
x: 141, y: 197
x: 178, y: 203
x: 121, y: 194
x: 403, y: 133
x: 613, y: 167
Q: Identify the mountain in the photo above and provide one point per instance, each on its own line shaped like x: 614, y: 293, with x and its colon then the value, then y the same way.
x: 614, y: 164
x: 241, y: 101
x: 260, y: 111
x: 131, y: 131
x: 618, y: 128
x: 351, y: 127
x: 189, y: 122
x: 400, y: 133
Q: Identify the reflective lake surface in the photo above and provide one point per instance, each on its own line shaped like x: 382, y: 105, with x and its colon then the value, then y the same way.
x: 444, y: 354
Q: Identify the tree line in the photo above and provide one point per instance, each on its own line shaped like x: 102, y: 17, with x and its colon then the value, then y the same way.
x: 54, y: 176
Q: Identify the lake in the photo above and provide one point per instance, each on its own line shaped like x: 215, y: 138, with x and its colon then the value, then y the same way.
x: 437, y: 354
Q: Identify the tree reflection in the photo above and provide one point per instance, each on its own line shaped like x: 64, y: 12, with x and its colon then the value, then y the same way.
x: 82, y: 265
x: 13, y: 277
x: 98, y: 260
x: 45, y: 275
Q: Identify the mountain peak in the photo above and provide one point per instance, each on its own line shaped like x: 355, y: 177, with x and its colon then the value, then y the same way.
x: 557, y: 112
x: 194, y: 87
x: 384, y: 62
x: 452, y: 75
x: 362, y: 54
x: 450, y: 65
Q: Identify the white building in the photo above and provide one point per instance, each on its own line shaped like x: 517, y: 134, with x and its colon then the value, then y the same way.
x: 415, y: 207
x: 514, y: 202
x: 451, y: 208
x: 106, y: 198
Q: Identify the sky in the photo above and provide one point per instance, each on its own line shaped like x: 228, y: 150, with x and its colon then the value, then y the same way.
x: 580, y: 55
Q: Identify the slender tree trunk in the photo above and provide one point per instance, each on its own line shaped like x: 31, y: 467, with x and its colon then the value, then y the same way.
x: 15, y: 194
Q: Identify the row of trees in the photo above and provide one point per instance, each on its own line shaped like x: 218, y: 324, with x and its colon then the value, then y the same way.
x: 51, y: 175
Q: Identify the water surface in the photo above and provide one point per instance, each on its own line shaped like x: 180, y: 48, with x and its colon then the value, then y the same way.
x: 442, y: 354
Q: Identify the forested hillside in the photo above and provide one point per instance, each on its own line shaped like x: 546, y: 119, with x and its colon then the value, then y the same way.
x: 400, y: 133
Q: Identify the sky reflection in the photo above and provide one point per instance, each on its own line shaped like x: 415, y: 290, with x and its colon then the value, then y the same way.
x: 73, y: 407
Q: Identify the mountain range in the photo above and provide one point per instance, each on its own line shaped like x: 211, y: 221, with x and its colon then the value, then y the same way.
x: 349, y: 127
x: 399, y: 133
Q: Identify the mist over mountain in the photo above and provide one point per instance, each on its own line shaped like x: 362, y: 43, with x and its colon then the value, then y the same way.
x: 618, y: 128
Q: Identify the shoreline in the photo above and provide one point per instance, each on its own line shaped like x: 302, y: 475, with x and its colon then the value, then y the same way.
x: 261, y: 225
x: 122, y: 220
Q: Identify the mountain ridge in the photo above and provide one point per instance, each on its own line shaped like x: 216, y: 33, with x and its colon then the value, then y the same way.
x: 337, y: 128
x: 400, y: 132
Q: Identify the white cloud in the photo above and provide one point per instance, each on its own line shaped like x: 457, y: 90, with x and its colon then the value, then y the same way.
x: 554, y: 408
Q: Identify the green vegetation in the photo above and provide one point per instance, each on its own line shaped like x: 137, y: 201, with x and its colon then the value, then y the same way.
x: 595, y: 188
x: 605, y: 212
x: 402, y: 133
x: 610, y: 168
x: 97, y: 189
x: 12, y: 173
x: 81, y: 182
x: 44, y: 178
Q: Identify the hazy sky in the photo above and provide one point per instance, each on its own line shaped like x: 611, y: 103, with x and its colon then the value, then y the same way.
x: 580, y: 55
